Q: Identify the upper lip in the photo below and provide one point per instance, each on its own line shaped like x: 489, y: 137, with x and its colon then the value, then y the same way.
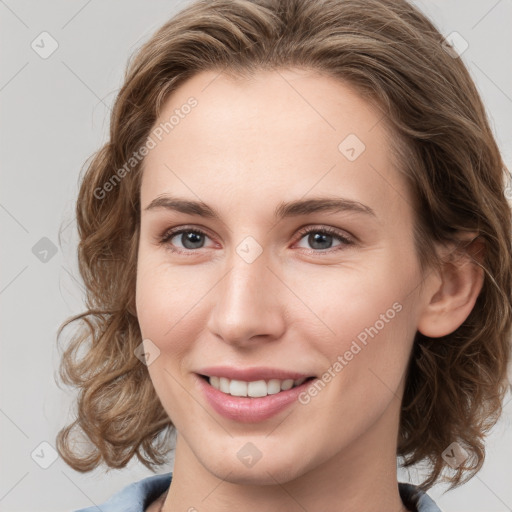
x: 251, y: 374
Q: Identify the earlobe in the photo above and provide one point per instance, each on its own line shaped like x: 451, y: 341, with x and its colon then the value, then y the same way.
x: 456, y: 288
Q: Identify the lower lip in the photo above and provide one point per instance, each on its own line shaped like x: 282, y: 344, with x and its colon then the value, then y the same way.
x: 249, y: 410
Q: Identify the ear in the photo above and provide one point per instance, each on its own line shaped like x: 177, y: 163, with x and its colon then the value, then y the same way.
x: 455, y: 288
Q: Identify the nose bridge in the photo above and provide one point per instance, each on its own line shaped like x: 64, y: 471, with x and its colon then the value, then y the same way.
x: 246, y: 302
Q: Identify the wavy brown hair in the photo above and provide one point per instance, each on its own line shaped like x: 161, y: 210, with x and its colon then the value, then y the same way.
x: 394, y: 57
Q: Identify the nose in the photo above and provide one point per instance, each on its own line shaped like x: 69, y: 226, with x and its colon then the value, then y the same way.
x: 247, y: 303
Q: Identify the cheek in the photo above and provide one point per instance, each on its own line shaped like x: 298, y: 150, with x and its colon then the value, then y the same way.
x: 360, y: 304
x: 364, y: 361
x: 367, y: 330
x: 168, y: 305
x: 166, y: 315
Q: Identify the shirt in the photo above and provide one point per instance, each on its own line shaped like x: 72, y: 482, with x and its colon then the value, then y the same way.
x: 137, y: 496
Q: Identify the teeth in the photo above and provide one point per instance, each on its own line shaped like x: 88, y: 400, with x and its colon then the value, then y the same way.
x: 253, y: 389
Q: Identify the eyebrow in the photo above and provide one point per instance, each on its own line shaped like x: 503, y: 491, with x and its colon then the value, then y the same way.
x: 283, y: 210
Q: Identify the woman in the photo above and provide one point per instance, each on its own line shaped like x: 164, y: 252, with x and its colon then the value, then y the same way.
x: 296, y: 246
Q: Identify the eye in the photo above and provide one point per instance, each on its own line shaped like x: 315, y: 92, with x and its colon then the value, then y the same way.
x: 321, y: 239
x: 191, y: 239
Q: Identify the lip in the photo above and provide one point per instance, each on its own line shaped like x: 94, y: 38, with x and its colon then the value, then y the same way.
x: 251, y: 374
x: 249, y: 410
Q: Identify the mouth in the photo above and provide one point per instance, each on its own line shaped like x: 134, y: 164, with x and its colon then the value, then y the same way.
x: 253, y: 389
x: 250, y: 402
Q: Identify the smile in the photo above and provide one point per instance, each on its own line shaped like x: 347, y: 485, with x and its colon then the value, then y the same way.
x: 250, y: 409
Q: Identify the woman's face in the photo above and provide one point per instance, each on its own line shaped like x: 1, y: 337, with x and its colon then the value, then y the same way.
x: 254, y: 281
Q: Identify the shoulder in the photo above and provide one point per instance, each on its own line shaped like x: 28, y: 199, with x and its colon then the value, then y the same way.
x: 135, y: 497
x: 415, y: 499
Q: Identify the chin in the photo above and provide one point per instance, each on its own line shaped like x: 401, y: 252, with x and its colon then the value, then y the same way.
x: 271, y: 467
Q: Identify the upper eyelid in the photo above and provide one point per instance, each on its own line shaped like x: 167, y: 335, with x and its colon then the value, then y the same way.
x: 329, y: 229
x: 180, y: 229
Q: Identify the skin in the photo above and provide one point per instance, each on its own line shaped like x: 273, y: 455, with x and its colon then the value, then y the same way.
x: 247, y: 146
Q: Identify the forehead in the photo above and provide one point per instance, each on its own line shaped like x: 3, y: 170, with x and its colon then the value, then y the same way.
x: 279, y: 134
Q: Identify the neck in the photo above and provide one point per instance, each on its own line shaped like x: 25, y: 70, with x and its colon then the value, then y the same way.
x: 359, y: 477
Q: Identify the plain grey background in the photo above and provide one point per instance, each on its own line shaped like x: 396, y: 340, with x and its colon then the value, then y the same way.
x: 55, y: 114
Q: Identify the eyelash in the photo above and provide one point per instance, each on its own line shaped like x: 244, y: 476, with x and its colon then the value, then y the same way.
x: 326, y: 230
